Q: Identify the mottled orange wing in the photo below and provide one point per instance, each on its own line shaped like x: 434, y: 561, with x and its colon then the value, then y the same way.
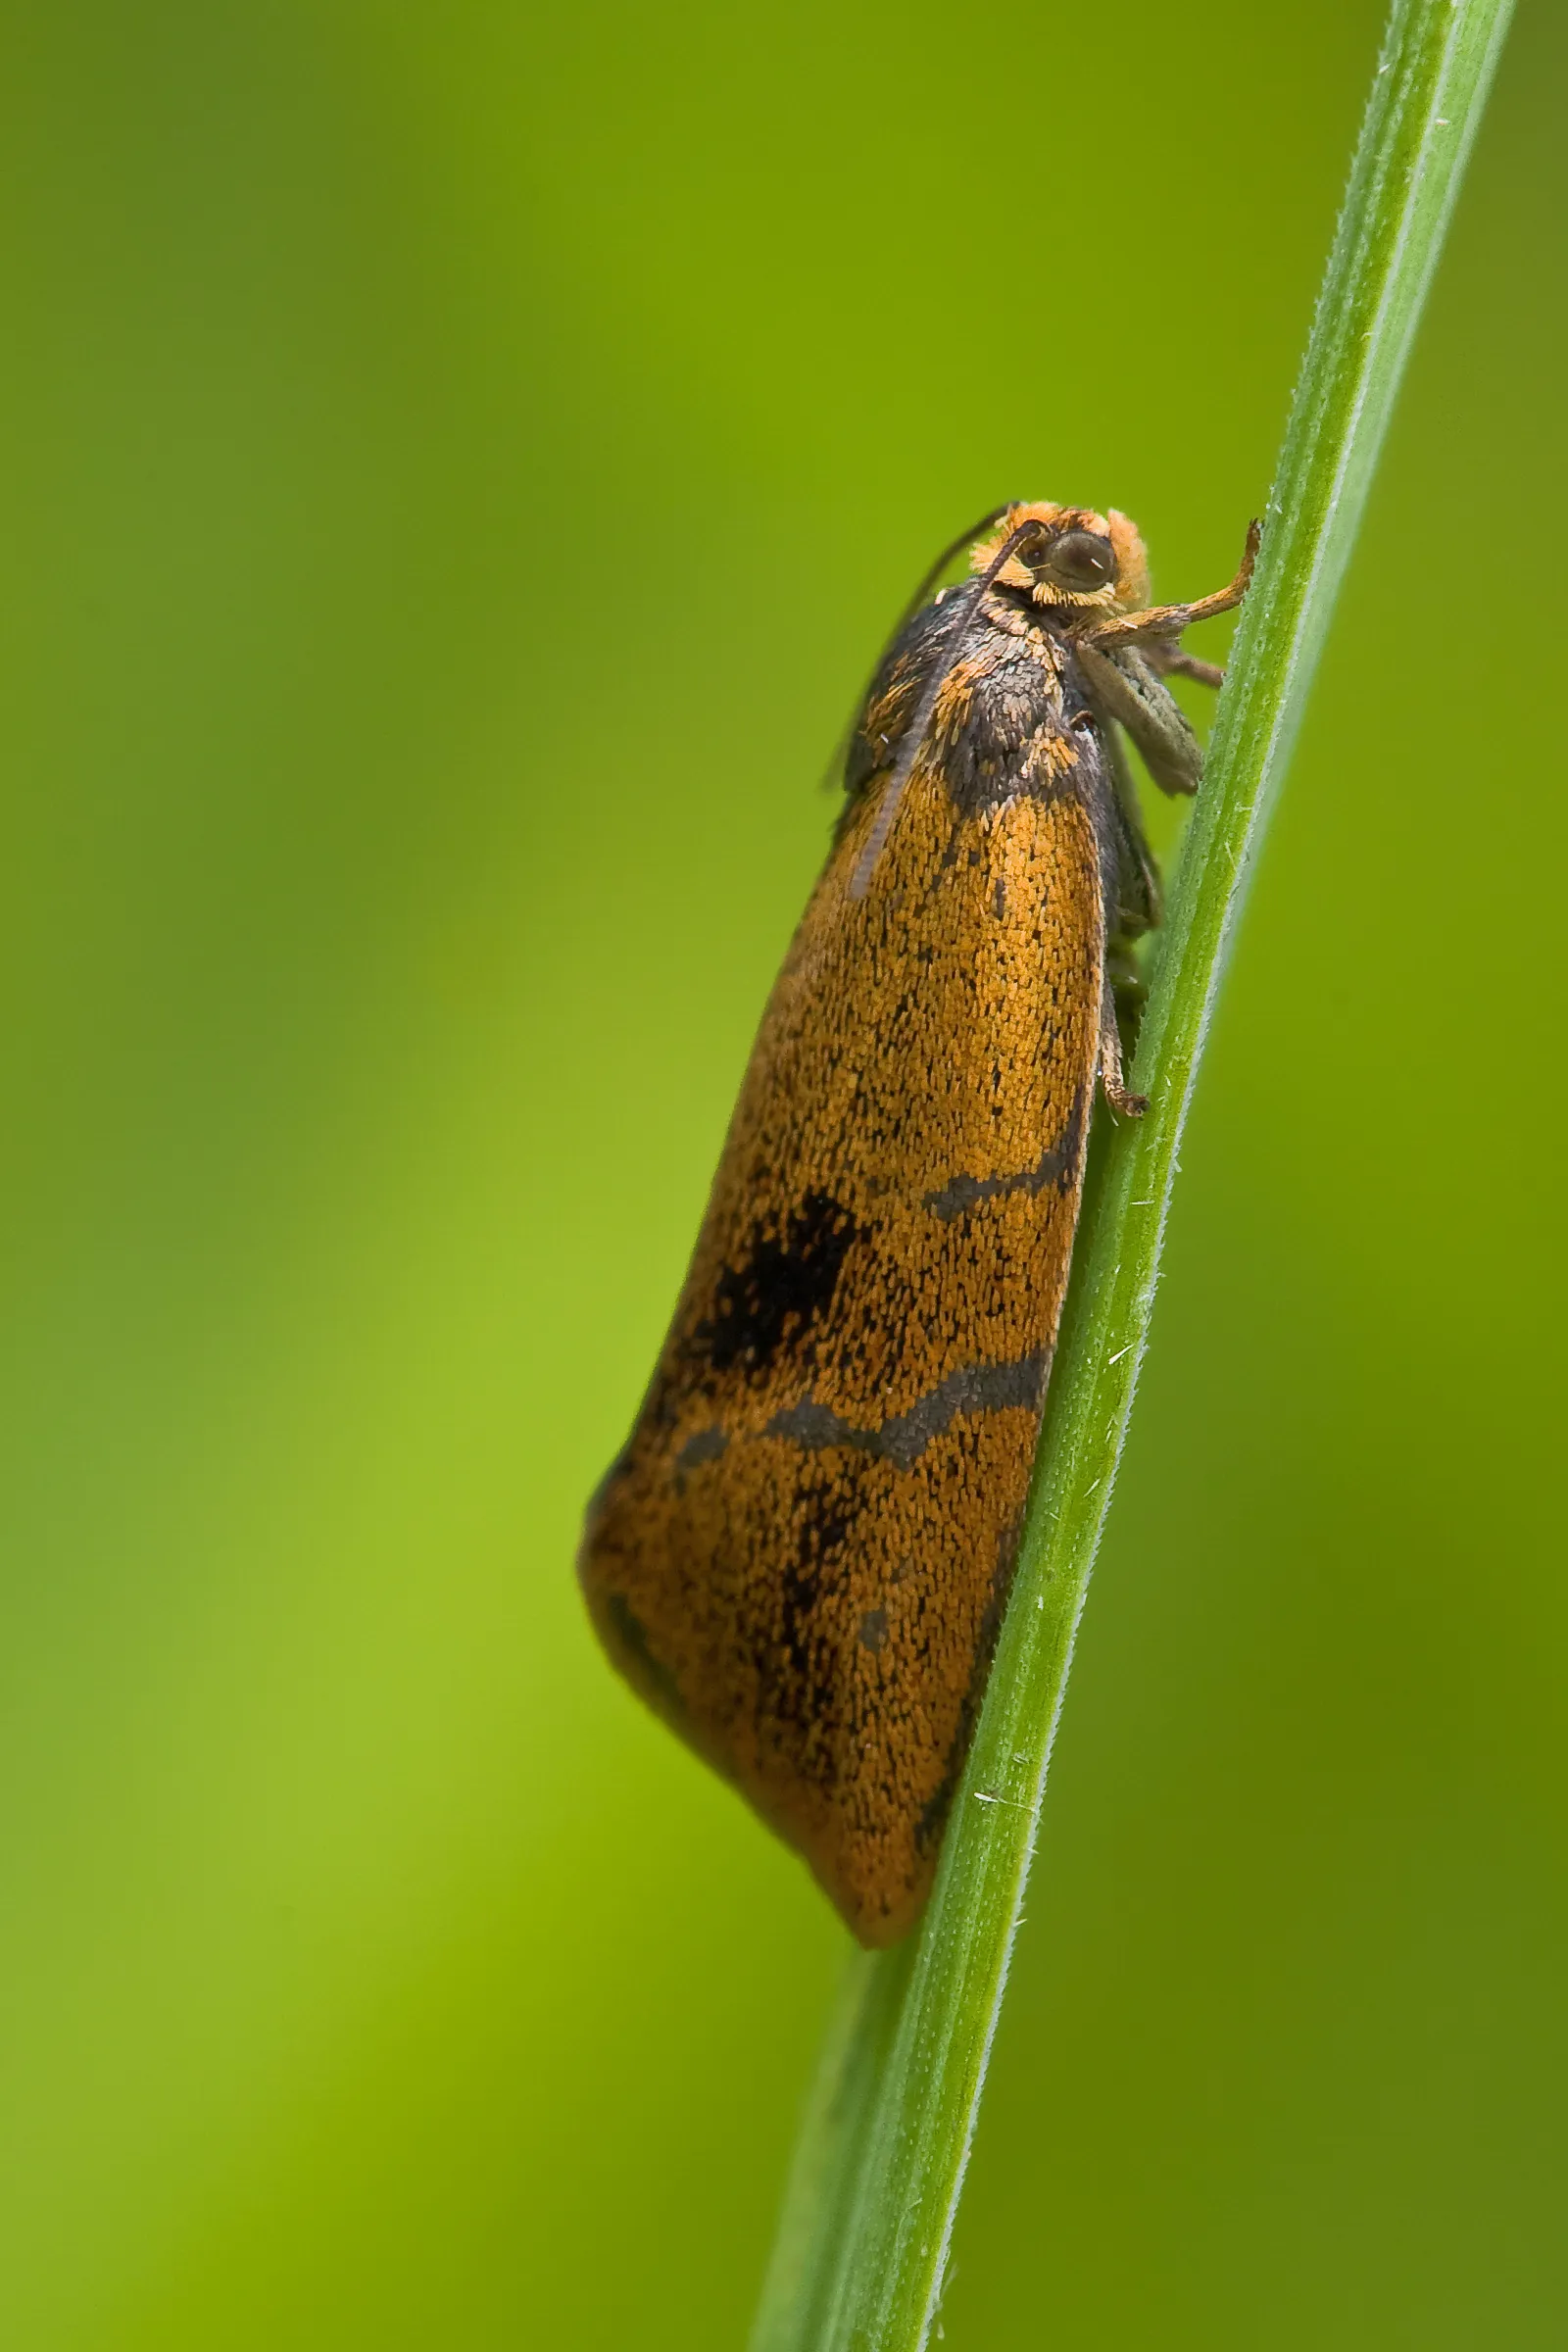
x: 800, y: 1557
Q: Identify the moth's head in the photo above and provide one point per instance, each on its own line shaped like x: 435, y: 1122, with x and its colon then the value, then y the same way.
x: 1080, y: 558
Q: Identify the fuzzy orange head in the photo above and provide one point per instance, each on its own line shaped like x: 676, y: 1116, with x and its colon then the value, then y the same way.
x: 1096, y: 562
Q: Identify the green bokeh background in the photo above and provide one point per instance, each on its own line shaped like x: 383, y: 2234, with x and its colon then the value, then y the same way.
x: 462, y: 463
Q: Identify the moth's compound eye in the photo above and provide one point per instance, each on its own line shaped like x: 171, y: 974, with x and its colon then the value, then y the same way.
x: 1079, y: 560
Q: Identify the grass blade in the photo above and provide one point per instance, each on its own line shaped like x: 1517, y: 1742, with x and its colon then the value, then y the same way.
x: 810, y: 2247
x: 867, y: 2221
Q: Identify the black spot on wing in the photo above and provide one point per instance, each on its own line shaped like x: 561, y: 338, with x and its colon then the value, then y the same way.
x: 781, y: 1288
x: 903, y: 1436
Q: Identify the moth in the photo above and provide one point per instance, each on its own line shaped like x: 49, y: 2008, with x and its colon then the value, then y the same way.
x: 800, y: 1557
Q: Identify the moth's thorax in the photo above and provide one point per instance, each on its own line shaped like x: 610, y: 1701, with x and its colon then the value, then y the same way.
x: 1008, y: 713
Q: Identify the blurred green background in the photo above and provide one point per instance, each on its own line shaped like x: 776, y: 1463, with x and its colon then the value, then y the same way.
x: 462, y: 463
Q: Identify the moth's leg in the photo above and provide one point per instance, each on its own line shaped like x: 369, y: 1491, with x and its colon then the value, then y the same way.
x: 1129, y: 992
x: 1131, y: 1107
x: 1169, y: 621
x: 1122, y: 685
x: 1169, y: 661
x: 1139, y: 902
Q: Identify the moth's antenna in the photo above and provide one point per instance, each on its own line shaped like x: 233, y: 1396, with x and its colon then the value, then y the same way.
x: 834, y: 777
x: 942, y: 669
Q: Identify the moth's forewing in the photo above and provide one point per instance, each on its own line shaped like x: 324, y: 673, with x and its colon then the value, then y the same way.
x: 800, y: 1557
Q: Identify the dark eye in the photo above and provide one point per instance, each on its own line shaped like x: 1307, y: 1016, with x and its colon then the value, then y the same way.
x: 1079, y: 560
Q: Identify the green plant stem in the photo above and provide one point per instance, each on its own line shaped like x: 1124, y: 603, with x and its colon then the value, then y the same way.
x: 867, y: 2221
